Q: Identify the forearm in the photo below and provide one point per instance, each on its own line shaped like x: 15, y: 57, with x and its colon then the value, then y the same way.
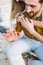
x: 38, y: 36
x: 38, y: 23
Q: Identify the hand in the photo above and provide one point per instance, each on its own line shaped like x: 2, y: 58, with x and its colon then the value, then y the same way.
x: 27, y: 23
x: 12, y: 35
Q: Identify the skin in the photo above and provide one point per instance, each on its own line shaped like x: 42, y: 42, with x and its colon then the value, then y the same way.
x: 34, y: 9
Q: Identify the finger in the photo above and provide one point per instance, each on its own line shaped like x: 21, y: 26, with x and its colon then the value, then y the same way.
x: 8, y: 39
x: 18, y: 34
x: 17, y: 0
x: 9, y: 32
x: 6, y: 35
x: 23, y: 23
x: 15, y: 32
x: 27, y: 20
x: 24, y: 20
x: 32, y: 22
x: 19, y: 19
x: 22, y: 15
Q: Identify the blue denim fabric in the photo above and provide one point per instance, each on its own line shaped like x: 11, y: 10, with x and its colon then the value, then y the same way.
x: 22, y: 45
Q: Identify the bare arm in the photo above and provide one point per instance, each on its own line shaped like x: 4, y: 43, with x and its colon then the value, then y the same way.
x: 38, y: 23
x: 38, y: 36
x: 29, y: 26
x: 34, y: 33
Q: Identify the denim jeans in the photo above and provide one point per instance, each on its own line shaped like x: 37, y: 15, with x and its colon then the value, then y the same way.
x: 22, y: 45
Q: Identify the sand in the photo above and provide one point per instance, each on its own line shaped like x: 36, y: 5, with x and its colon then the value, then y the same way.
x: 3, y: 55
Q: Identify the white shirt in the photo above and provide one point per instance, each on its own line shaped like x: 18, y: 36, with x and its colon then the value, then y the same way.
x: 5, y: 12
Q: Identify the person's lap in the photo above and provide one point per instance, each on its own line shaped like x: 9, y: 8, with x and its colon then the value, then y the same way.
x: 23, y: 45
x: 39, y: 52
x: 35, y: 62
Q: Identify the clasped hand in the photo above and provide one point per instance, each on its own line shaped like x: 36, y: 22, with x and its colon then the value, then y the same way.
x: 12, y: 35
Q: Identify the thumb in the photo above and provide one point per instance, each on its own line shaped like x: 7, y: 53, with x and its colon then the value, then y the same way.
x: 32, y: 22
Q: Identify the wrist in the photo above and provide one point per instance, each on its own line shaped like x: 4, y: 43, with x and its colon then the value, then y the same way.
x: 33, y: 32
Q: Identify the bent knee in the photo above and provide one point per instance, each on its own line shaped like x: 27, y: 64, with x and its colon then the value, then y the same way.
x: 19, y: 46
